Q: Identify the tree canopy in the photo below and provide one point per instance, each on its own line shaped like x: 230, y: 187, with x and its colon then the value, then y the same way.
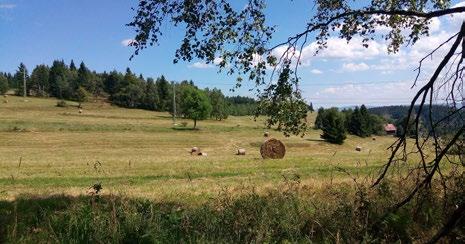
x: 195, y: 105
x: 242, y: 39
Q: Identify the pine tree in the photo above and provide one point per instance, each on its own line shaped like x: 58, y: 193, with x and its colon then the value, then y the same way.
x: 72, y: 66
x: 19, y: 77
x: 319, y: 117
x: 310, y: 108
x: 40, y: 80
x: 3, y: 84
x: 333, y: 126
x: 164, y: 96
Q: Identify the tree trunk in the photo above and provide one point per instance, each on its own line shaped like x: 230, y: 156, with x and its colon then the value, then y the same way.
x: 195, y: 123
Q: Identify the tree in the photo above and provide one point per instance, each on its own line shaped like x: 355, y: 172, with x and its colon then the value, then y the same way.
x: 310, y: 108
x: 40, y: 80
x: 150, y: 100
x: 195, y: 104
x: 130, y: 91
x: 319, y: 118
x: 333, y: 126
x: 3, y: 84
x: 72, y: 66
x: 237, y: 35
x: 85, y: 79
x: 81, y: 95
x: 20, y: 76
x: 163, y: 88
x: 112, y: 82
x: 220, y: 108
x: 58, y: 79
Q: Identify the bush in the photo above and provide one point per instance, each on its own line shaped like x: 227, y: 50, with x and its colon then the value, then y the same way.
x: 62, y: 104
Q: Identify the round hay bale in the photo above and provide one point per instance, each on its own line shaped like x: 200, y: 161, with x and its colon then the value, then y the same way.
x: 202, y: 154
x: 194, y: 150
x: 273, y: 149
x: 373, y: 138
x: 241, y: 151
x: 358, y: 148
x: 266, y: 134
x: 80, y: 111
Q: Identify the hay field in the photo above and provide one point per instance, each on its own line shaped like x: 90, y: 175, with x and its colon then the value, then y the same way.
x: 47, y: 150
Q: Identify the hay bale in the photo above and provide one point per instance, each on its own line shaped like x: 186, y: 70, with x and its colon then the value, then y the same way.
x: 240, y: 151
x: 202, y: 154
x: 273, y: 149
x: 358, y: 148
x: 195, y: 150
x: 80, y: 111
x: 373, y: 138
x: 266, y: 134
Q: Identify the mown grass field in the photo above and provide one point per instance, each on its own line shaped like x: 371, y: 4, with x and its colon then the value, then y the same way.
x: 49, y: 150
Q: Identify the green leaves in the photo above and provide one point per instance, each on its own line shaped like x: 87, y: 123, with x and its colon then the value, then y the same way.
x: 195, y: 104
x: 241, y: 38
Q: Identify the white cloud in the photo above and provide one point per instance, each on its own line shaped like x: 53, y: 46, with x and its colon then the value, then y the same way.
x: 316, y: 71
x: 7, y: 5
x: 372, y: 93
x: 203, y: 65
x: 200, y: 65
x: 353, y: 67
x: 128, y: 42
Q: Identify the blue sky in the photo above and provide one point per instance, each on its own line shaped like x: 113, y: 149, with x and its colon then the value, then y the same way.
x: 40, y: 31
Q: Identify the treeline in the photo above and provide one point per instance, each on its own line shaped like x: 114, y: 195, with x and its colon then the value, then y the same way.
x: 452, y: 118
x: 335, y: 124
x: 69, y: 82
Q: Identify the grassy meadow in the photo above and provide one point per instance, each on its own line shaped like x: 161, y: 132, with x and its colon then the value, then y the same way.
x: 45, y: 149
x: 154, y: 191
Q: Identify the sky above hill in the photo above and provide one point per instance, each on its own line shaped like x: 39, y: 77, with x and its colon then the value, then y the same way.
x: 40, y: 31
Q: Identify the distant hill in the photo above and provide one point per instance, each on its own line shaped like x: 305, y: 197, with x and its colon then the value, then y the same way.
x: 398, y: 112
x: 395, y: 114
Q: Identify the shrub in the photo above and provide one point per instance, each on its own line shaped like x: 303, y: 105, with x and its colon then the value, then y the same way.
x: 62, y: 104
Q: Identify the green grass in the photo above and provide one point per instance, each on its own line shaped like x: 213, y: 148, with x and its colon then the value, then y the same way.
x: 141, y: 155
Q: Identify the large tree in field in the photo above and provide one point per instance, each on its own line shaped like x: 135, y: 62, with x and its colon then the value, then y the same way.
x: 195, y: 104
x: 240, y: 37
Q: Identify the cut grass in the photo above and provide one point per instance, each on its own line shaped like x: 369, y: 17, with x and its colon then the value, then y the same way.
x: 141, y: 155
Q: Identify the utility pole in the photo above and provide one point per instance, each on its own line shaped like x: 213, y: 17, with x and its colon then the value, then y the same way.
x: 24, y: 82
x: 174, y: 103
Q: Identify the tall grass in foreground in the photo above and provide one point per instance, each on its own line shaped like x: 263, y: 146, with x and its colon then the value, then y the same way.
x: 291, y: 214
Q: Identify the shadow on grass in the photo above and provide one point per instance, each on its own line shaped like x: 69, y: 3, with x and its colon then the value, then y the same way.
x: 315, y: 140
x: 285, y: 215
x: 185, y: 128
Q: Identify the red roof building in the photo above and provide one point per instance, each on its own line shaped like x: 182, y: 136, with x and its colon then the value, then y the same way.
x: 390, y: 129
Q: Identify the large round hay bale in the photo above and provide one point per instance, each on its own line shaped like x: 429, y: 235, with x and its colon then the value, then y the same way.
x: 241, y: 151
x: 273, y: 149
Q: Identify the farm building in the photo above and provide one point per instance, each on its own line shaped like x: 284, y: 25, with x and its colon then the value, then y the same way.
x: 390, y: 129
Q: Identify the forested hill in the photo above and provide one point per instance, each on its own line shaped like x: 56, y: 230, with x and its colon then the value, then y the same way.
x: 398, y: 116
x: 129, y: 90
x: 399, y: 112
